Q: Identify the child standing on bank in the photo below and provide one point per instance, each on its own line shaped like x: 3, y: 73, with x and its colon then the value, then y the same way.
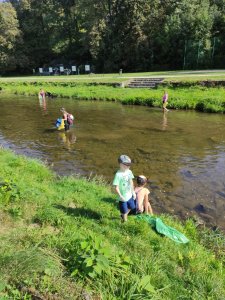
x: 123, y: 182
x: 142, y: 193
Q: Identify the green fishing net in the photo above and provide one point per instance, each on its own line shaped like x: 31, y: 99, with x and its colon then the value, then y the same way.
x: 162, y: 228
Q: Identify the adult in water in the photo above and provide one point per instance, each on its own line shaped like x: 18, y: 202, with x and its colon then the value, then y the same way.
x: 65, y: 118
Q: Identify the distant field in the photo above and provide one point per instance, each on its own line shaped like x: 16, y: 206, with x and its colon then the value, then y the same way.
x: 115, y: 77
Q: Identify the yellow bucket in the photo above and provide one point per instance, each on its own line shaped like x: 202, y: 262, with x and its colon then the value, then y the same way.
x: 62, y: 125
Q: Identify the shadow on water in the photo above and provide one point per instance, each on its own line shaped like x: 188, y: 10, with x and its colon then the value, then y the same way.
x: 50, y: 130
x: 80, y: 211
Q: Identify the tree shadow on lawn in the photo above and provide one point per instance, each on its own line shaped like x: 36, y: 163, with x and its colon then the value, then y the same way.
x: 79, y: 211
x: 115, y: 203
x: 111, y: 201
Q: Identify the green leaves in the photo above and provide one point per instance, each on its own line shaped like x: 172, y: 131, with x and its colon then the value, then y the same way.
x: 92, y: 258
x: 144, y: 284
x: 9, y: 34
x: 9, y: 192
x: 134, y: 35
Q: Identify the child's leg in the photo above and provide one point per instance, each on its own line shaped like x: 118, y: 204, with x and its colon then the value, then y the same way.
x: 126, y: 207
x: 125, y: 217
x: 123, y: 210
x: 131, y: 206
x: 147, y: 205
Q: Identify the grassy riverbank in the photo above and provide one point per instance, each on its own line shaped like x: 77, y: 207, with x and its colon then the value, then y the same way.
x: 61, y: 238
x: 184, y: 95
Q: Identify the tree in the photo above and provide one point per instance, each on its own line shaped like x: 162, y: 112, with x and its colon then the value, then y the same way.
x: 189, y: 24
x: 9, y: 36
x: 36, y: 19
x: 135, y: 35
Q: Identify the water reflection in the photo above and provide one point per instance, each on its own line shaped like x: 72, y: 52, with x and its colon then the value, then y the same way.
x: 67, y: 138
x: 43, y: 104
x: 164, y: 122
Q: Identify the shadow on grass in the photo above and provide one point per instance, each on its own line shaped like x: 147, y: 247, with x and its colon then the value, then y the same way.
x: 80, y: 211
x: 111, y: 201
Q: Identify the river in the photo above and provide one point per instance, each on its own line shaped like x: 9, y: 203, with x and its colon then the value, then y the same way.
x: 181, y: 152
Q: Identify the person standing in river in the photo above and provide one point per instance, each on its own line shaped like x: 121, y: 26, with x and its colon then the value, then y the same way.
x: 65, y: 118
x: 41, y: 94
x: 165, y: 101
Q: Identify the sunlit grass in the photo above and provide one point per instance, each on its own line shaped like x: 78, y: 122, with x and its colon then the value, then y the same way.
x: 186, y: 95
x: 38, y: 247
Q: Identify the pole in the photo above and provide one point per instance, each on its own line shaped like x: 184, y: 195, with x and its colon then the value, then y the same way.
x: 185, y: 50
x: 213, y: 49
x: 198, y: 53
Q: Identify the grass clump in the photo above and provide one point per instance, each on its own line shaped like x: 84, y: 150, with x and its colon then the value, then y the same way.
x: 69, y: 243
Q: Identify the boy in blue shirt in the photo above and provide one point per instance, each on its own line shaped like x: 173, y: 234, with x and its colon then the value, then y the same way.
x: 123, y: 182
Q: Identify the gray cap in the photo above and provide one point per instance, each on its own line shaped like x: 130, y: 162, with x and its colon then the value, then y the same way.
x: 124, y: 159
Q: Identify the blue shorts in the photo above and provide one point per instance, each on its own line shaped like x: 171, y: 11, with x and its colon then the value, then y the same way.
x: 125, y: 206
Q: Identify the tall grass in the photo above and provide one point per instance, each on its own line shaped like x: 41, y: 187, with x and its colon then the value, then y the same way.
x: 195, y: 97
x: 68, y: 241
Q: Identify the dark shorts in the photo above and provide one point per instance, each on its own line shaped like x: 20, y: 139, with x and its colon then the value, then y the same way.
x: 125, y: 206
x: 67, y: 125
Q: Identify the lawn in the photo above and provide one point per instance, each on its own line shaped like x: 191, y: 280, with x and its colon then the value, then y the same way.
x: 61, y: 238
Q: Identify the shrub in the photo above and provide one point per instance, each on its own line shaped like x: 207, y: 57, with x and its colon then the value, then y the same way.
x: 92, y: 258
x: 9, y: 192
x: 200, y: 106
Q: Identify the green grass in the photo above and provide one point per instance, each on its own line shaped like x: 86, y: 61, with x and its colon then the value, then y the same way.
x: 187, y: 75
x: 186, y: 95
x: 62, y: 236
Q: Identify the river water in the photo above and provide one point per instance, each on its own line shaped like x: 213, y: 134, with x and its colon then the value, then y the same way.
x: 181, y: 152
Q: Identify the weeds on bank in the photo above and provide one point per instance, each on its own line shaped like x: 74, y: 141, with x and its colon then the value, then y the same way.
x: 186, y: 96
x: 68, y: 243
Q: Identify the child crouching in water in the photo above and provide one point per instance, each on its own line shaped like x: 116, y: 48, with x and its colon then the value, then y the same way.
x: 123, y: 182
x: 142, y: 203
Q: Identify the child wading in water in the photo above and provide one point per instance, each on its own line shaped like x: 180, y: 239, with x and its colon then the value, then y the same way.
x: 41, y: 94
x: 165, y: 101
x: 142, y: 203
x: 123, y: 182
x: 68, y: 118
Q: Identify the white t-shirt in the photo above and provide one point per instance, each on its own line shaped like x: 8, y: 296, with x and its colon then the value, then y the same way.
x: 123, y: 180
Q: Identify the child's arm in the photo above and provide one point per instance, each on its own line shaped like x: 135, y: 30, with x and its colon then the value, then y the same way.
x: 118, y: 192
x: 147, y: 205
x: 132, y: 189
x: 116, y: 182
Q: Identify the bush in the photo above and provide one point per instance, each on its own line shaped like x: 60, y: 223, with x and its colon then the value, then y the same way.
x: 200, y: 106
x: 9, y: 192
x: 92, y: 258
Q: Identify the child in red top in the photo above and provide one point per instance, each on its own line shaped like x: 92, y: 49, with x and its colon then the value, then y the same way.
x: 142, y: 203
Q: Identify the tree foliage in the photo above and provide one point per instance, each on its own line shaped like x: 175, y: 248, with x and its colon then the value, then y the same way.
x: 9, y: 35
x: 136, y: 35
